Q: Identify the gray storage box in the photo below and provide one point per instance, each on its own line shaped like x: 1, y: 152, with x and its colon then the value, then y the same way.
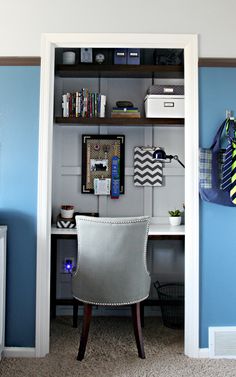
x: 162, y: 106
x: 167, y: 90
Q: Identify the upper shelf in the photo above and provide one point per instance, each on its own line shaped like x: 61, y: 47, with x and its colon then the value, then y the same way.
x: 113, y: 70
x: 121, y: 121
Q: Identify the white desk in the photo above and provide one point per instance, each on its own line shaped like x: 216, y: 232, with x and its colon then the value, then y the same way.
x: 156, y: 232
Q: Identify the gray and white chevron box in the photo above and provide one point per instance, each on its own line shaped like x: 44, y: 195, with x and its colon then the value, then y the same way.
x: 147, y: 171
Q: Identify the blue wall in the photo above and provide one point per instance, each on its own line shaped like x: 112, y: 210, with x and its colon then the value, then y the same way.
x: 217, y: 223
x: 19, y: 107
x: 19, y: 104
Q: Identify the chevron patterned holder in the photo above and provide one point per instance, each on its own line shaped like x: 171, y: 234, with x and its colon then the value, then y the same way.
x: 147, y: 171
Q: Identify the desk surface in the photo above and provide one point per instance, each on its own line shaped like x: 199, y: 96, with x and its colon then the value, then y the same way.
x: 154, y: 230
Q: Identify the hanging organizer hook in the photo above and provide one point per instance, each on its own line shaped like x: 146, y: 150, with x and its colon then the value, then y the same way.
x: 229, y: 114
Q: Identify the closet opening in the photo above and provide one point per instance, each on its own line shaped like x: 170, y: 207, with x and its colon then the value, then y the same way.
x: 81, y: 132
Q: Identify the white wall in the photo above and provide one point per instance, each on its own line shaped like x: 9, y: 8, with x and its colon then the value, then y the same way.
x: 22, y: 22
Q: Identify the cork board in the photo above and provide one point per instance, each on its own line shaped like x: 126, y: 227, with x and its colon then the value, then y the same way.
x: 97, y: 153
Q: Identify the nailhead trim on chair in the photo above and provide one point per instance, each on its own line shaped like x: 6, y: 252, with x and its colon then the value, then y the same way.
x: 122, y: 220
x: 111, y: 304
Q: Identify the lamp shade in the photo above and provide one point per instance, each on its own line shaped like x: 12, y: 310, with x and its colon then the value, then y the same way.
x: 159, y: 154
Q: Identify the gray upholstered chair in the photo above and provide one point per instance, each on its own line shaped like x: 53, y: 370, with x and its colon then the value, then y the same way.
x: 111, y: 268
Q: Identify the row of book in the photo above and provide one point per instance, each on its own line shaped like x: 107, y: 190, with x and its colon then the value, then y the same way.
x: 83, y: 104
x: 125, y: 112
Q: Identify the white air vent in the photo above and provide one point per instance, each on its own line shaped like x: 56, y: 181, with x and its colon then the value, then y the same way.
x: 222, y: 342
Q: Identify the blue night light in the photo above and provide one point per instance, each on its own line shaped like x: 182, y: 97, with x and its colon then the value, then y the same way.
x: 68, y: 265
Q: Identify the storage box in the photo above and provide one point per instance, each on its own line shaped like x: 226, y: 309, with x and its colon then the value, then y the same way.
x: 166, y: 90
x: 160, y: 106
x: 133, y: 56
x: 120, y: 56
x: 169, y: 56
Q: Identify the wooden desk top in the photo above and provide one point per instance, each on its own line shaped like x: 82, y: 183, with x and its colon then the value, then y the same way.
x: 155, y: 230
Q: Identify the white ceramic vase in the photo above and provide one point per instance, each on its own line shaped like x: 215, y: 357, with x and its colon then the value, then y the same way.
x: 67, y: 211
x: 175, y: 220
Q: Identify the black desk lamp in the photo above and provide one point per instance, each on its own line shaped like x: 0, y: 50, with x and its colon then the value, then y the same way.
x: 160, y: 155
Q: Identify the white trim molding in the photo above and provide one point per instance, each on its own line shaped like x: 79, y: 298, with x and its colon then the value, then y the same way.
x: 191, y: 345
x: 203, y: 353
x: 190, y: 45
x: 19, y: 352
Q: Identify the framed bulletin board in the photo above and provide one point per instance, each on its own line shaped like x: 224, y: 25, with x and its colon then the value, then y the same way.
x: 97, y: 153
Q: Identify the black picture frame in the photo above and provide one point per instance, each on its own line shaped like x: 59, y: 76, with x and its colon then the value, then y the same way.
x: 93, y: 147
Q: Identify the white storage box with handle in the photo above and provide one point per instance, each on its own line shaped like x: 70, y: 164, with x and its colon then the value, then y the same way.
x: 163, y: 106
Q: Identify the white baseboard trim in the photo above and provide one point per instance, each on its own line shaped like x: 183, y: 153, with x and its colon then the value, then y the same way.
x: 203, y: 353
x: 9, y: 352
x: 19, y: 352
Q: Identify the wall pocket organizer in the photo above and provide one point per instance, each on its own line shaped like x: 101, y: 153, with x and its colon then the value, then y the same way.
x: 147, y: 171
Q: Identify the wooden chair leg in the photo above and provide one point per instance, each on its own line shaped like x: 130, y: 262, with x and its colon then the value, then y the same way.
x: 75, y: 312
x: 142, y: 313
x: 85, y: 331
x: 138, y: 329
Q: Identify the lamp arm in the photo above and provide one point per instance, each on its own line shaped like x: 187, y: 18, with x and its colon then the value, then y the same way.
x: 175, y: 157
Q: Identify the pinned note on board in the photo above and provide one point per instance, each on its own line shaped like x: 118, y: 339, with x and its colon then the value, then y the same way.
x: 102, y: 186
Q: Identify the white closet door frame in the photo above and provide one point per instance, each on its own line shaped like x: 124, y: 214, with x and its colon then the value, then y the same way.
x: 190, y: 45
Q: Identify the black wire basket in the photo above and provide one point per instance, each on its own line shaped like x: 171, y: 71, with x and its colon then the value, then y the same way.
x: 171, y: 297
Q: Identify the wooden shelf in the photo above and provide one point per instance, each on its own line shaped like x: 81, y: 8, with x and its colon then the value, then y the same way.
x: 120, y: 121
x: 113, y: 70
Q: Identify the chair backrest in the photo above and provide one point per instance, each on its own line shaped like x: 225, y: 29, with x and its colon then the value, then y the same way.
x: 111, y: 263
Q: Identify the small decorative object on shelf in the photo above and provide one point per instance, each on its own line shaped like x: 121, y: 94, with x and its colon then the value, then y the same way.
x: 99, y: 58
x: 175, y: 217
x: 67, y: 211
x: 70, y: 223
x: 125, y: 109
x: 65, y: 223
x: 86, y: 55
x: 124, y: 104
x: 102, y: 56
x: 68, y: 57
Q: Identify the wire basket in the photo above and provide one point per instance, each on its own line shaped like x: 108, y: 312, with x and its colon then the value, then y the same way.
x: 171, y: 297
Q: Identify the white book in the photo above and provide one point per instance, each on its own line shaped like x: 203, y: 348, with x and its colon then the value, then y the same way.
x: 65, y: 106
x: 77, y: 104
x: 103, y: 101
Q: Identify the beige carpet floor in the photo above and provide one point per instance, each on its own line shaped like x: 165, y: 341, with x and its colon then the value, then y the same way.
x: 111, y: 352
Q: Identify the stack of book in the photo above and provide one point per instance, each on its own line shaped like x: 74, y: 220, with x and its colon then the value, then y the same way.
x: 83, y: 104
x: 125, y: 112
